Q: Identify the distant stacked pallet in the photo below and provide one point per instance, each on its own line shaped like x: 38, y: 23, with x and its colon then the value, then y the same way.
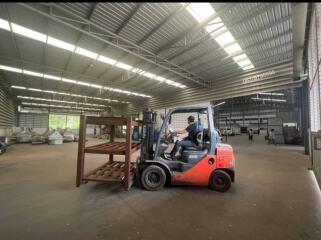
x: 112, y: 171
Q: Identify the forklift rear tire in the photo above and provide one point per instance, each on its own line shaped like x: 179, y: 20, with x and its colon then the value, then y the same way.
x: 220, y: 181
x: 153, y: 178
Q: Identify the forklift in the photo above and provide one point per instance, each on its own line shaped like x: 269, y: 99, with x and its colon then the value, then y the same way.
x: 209, y: 163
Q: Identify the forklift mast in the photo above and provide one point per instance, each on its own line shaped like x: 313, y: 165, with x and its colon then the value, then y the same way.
x: 148, y: 130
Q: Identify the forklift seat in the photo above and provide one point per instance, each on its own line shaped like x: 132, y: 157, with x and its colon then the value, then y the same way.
x: 199, y: 140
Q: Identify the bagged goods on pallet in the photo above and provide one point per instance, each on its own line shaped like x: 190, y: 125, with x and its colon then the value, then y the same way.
x: 24, y: 136
x: 55, y: 138
x: 68, y: 135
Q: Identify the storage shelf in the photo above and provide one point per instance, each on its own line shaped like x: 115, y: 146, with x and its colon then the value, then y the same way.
x: 110, y: 172
x: 118, y: 148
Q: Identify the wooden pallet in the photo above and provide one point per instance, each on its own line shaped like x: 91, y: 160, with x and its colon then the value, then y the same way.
x: 109, y: 172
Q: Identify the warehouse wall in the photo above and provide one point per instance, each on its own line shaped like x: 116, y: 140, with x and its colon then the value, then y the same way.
x: 314, y: 87
x: 7, y: 112
x: 269, y: 79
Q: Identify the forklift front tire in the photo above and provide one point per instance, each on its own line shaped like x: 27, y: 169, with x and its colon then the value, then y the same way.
x: 153, y: 178
x: 220, y: 181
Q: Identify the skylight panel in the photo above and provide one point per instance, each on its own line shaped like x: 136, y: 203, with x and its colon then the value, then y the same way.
x: 225, y: 39
x: 215, y: 26
x: 123, y: 66
x: 138, y: 70
x: 234, y: 48
x: 4, y: 24
x: 61, y: 44
x: 248, y: 67
x: 106, y: 60
x: 200, y: 11
x: 86, y: 53
x: 240, y: 57
x: 26, y: 32
x: 244, y: 63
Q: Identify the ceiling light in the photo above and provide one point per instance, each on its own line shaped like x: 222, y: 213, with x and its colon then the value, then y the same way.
x: 248, y: 67
x: 60, y: 93
x: 26, y: 32
x: 61, y: 44
x: 170, y: 82
x: 35, y: 89
x: 4, y: 24
x: 106, y: 60
x: 61, y: 101
x: 31, y: 73
x: 69, y: 47
x: 18, y: 87
x: 234, y: 48
x: 239, y: 57
x: 225, y: 39
x: 123, y: 66
x: 11, y: 69
x: 269, y: 99
x: 159, y: 78
x: 149, y: 75
x: 69, y: 80
x: 276, y: 94
x: 52, y: 77
x: 83, y: 83
x: 86, y: 53
x: 59, y: 106
x: 244, y: 63
x: 96, y: 86
x: 200, y: 11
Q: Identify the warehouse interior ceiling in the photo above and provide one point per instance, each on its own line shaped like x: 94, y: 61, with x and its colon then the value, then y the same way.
x: 102, y: 55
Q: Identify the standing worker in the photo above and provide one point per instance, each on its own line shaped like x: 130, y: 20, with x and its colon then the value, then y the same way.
x: 251, y: 134
x: 272, y: 137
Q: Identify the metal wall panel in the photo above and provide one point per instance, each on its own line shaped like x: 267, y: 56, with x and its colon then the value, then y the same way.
x: 7, y: 110
x: 234, y: 86
x: 316, y: 155
x: 33, y: 120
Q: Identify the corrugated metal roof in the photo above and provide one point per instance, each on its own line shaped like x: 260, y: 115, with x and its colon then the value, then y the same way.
x: 247, y: 22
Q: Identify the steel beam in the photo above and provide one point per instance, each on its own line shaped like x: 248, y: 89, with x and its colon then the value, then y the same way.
x: 192, y: 29
x: 229, y: 60
x: 272, y: 58
x: 234, y: 24
x: 255, y: 31
x: 154, y: 59
x: 248, y: 48
x: 245, y: 35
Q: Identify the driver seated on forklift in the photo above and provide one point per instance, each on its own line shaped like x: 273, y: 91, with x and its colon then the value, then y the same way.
x: 190, y: 140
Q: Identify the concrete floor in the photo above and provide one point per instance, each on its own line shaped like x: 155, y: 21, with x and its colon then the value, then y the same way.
x: 274, y: 197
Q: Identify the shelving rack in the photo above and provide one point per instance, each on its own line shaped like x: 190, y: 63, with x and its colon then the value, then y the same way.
x: 111, y: 171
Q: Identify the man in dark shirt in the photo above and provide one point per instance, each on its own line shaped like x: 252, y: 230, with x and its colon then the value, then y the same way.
x: 190, y: 140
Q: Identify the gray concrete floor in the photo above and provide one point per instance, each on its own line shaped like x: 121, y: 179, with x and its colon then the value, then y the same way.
x: 274, y: 197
